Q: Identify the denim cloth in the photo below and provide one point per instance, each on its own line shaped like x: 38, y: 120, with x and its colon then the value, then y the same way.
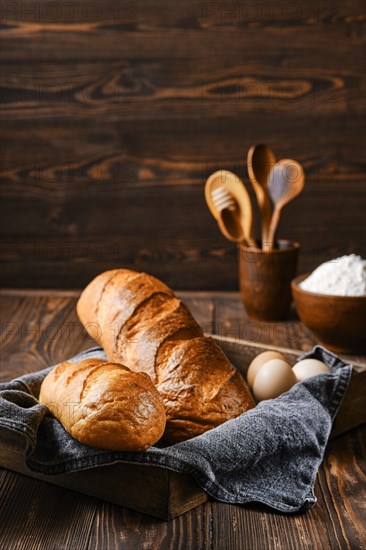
x: 270, y: 454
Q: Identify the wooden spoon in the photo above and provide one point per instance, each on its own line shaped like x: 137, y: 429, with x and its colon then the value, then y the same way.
x: 260, y: 161
x: 286, y: 181
x: 229, y: 203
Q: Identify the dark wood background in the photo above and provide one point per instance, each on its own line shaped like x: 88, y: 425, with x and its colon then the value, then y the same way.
x: 114, y: 113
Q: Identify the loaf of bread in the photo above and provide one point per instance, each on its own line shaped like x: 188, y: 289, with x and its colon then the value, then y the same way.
x: 141, y: 323
x: 105, y: 404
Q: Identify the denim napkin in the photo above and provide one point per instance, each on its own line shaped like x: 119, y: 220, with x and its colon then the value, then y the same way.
x: 271, y: 454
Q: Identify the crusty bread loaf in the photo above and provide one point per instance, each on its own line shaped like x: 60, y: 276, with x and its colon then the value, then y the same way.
x: 141, y: 323
x: 105, y: 404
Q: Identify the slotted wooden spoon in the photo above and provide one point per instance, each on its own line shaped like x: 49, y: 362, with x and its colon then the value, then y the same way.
x: 229, y: 203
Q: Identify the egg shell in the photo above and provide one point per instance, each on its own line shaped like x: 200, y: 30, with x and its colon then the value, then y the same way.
x: 275, y: 377
x: 258, y: 362
x: 308, y: 368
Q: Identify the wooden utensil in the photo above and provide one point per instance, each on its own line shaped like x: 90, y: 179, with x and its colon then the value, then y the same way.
x: 286, y: 181
x: 229, y: 203
x: 260, y: 161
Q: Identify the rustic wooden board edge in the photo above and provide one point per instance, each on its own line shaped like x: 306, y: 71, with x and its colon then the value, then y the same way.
x: 228, y: 344
x: 184, y: 494
x: 158, y: 492
x: 352, y: 412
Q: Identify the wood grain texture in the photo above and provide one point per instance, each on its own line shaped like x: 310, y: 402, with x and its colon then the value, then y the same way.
x: 157, y: 492
x: 114, y: 113
x: 38, y: 516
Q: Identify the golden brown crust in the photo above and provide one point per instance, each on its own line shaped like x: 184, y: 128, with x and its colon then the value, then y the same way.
x: 105, y: 404
x: 145, y: 326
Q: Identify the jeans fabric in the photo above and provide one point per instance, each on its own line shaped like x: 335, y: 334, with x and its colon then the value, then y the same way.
x: 270, y: 455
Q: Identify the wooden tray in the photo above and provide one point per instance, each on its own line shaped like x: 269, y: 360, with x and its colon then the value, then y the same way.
x: 157, y: 491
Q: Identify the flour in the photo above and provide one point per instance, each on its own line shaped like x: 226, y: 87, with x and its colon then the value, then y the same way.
x: 345, y: 276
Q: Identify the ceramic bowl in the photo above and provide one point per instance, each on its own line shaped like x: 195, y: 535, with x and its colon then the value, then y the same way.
x: 338, y: 322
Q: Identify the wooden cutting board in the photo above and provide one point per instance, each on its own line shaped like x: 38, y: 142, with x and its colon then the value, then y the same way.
x: 158, y: 491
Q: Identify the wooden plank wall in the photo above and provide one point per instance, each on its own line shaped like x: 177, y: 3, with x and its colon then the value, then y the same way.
x: 115, y: 112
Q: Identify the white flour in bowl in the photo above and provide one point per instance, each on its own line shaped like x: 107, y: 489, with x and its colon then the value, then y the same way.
x: 345, y: 276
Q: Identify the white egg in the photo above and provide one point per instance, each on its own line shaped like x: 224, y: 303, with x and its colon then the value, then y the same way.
x: 309, y: 367
x: 275, y: 377
x: 259, y: 361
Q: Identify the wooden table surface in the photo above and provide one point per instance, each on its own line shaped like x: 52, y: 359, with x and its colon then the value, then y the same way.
x: 40, y: 328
